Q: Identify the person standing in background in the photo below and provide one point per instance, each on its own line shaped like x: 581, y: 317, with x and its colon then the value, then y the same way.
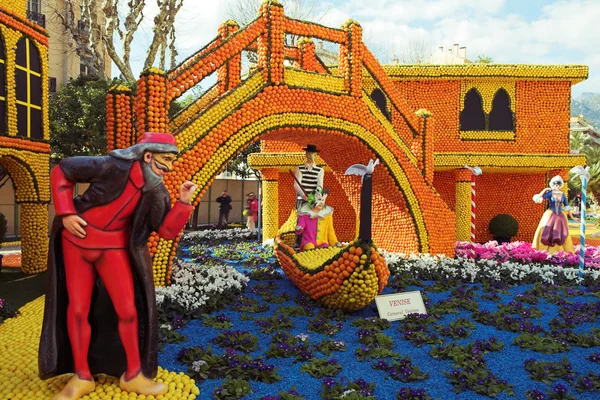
x: 224, y: 201
x: 251, y: 210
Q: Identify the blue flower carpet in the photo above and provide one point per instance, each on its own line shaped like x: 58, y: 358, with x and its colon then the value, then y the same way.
x: 477, y: 341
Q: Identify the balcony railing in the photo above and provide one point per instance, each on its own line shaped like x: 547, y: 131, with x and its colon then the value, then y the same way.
x: 37, y: 18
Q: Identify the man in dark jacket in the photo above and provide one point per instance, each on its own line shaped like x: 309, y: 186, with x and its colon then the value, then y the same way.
x: 224, y: 201
x: 100, y: 311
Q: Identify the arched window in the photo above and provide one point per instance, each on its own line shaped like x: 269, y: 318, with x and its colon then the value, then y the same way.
x: 3, y: 130
x: 501, y: 116
x: 28, y: 77
x: 381, y: 102
x: 472, y: 117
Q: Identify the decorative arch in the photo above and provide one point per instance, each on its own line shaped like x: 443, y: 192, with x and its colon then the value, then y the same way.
x: 3, y: 129
x: 472, y: 117
x: 501, y: 116
x: 380, y: 101
x: 23, y: 178
x: 28, y: 79
x: 350, y: 134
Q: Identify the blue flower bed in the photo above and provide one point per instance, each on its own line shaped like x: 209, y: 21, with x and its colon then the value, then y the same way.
x: 430, y: 351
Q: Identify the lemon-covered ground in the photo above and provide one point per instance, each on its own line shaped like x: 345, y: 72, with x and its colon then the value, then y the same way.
x: 19, y: 338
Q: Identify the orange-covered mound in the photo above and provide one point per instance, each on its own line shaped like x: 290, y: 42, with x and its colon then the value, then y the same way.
x: 349, y: 279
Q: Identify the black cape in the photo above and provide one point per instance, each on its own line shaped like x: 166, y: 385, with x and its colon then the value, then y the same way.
x: 107, y: 177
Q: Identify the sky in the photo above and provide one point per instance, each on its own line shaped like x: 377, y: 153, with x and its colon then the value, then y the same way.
x: 509, y: 31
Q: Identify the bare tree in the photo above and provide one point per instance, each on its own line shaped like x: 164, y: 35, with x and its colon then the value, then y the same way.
x: 245, y: 11
x: 95, y: 31
x: 416, y: 49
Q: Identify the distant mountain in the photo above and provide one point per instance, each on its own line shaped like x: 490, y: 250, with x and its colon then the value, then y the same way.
x: 588, y: 105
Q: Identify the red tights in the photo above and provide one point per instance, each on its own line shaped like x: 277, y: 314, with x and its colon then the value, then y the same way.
x: 113, y: 266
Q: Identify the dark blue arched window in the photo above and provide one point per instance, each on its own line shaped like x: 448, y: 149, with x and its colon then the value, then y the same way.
x: 472, y: 117
x: 501, y: 116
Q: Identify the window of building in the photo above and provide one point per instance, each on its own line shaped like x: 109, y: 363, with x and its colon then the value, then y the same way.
x: 52, y: 85
x: 472, y: 117
x: 2, y: 88
x: 501, y: 116
x: 28, y: 77
x: 34, y: 6
x: 380, y: 101
x: 488, y: 110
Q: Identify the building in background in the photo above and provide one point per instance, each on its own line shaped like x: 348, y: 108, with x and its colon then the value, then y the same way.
x: 43, y: 63
x: 579, y: 124
x: 454, y: 55
x: 68, y: 55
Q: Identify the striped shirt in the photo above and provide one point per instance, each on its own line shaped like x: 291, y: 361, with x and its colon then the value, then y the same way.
x: 311, y: 178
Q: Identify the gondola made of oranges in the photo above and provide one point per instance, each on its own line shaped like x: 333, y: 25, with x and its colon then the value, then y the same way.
x: 346, y: 278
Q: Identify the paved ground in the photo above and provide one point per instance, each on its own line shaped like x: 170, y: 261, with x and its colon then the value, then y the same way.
x: 19, y: 288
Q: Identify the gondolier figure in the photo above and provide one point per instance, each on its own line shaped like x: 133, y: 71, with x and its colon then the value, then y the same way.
x: 100, y: 314
x: 309, y: 178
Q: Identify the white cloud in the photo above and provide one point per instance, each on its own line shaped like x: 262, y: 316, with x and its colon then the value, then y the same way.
x: 564, y: 33
x: 423, y: 10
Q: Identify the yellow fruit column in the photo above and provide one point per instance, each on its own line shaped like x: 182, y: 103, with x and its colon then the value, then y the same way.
x: 270, y: 202
x: 463, y: 205
x: 34, y: 232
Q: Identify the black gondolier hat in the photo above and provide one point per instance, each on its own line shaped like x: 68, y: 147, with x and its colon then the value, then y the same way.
x: 310, y: 148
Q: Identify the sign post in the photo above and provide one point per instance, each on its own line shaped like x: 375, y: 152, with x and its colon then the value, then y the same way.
x: 398, y: 305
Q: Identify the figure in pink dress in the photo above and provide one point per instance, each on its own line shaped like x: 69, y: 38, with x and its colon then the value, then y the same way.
x: 315, y: 223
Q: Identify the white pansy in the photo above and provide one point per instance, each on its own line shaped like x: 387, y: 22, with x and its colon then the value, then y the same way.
x: 219, y: 234
x: 469, y: 270
x: 194, y: 285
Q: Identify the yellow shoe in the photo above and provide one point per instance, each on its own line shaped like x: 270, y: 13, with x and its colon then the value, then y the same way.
x: 75, y: 389
x: 142, y: 385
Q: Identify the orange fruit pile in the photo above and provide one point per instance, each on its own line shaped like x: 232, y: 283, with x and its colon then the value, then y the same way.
x: 119, y: 121
x: 347, y: 279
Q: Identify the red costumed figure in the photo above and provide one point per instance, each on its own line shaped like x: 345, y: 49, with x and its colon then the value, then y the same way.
x: 100, y: 312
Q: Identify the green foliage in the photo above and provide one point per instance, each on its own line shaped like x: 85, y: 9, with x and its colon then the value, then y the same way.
x: 78, y: 118
x: 483, y: 59
x: 321, y: 367
x: 233, y: 389
x: 168, y: 336
x: 504, y: 225
x: 549, y: 371
x: 238, y: 165
x: 583, y: 144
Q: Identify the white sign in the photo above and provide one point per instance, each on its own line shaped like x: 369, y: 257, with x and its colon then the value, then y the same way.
x: 399, y: 305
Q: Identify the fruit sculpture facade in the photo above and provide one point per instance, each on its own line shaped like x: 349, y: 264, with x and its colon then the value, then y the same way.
x: 24, y: 126
x: 421, y: 199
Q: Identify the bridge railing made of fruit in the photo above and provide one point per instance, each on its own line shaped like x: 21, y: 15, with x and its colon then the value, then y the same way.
x: 266, y: 36
x: 129, y: 115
